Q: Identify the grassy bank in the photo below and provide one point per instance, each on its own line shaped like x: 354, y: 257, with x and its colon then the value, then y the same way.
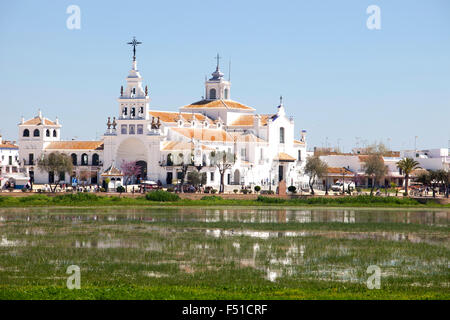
x: 170, y: 199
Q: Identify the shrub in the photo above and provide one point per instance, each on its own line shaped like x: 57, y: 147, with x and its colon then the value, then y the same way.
x: 39, y: 198
x: 213, y: 191
x: 292, y: 189
x: 270, y: 200
x: 160, y: 195
x: 24, y: 189
x: 120, y: 189
x: 267, y: 192
x: 102, y: 189
x: 213, y: 198
x: 257, y: 188
x: 76, y: 197
x: 170, y: 189
x: 235, y: 190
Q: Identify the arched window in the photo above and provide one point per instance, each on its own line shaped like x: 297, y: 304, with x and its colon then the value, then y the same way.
x: 281, y: 135
x: 54, y: 133
x: 74, y: 159
x: 169, y: 159
x: 47, y: 133
x: 212, y: 93
x: 26, y: 133
x: 133, y: 112
x: 225, y: 93
x: 84, y: 159
x: 95, y: 159
x: 36, y: 133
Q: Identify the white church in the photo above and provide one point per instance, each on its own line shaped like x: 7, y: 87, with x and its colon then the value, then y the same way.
x: 265, y: 148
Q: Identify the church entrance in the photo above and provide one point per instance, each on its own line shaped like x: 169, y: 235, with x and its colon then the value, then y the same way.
x: 143, y: 174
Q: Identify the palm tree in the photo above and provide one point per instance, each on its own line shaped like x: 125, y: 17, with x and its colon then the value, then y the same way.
x: 407, y: 165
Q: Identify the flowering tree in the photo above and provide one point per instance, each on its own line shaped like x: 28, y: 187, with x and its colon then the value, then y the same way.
x: 130, y: 170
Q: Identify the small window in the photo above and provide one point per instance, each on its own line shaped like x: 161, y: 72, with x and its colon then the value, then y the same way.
x: 62, y: 176
x: 95, y: 159
x: 36, y: 133
x: 133, y: 112
x: 212, y: 93
x: 299, y: 155
x: 26, y: 133
x: 47, y: 133
x: 140, y: 129
x: 132, y: 129
x: 281, y: 135
x: 54, y: 134
x: 74, y: 159
x: 225, y: 93
x: 125, y: 111
x: 84, y: 159
x: 30, y: 158
x: 212, y: 176
x: 123, y: 129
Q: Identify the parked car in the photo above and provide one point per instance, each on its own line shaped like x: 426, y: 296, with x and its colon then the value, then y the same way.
x: 149, y: 185
x: 338, y: 186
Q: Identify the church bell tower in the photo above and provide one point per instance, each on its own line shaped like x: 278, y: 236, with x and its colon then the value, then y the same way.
x: 134, y: 100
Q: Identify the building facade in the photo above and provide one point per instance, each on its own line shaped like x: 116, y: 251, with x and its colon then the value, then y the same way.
x: 162, y: 143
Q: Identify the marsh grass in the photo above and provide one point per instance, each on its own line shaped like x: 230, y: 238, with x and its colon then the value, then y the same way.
x: 165, y: 254
x: 159, y: 197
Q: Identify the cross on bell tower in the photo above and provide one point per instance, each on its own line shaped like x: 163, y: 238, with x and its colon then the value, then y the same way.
x: 134, y: 43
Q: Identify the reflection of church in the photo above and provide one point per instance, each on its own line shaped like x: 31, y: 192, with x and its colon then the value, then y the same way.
x: 160, y: 141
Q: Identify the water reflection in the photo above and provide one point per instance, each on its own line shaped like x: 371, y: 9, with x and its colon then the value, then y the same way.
x: 259, y: 215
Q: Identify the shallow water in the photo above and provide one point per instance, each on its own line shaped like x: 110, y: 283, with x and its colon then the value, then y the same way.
x: 97, y: 238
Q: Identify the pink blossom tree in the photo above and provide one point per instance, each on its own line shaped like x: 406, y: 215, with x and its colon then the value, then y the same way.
x: 130, y: 170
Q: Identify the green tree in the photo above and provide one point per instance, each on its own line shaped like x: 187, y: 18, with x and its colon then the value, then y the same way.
x: 407, y: 165
x: 444, y: 177
x: 195, y: 178
x: 315, y: 169
x: 57, y: 163
x: 375, y: 168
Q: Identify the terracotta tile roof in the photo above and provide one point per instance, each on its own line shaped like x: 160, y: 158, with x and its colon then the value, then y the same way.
x: 364, y: 158
x: 8, y: 145
x: 37, y: 121
x: 265, y: 118
x: 76, y: 145
x: 334, y: 170
x: 228, y: 104
x: 284, y: 157
x: 180, y: 145
x: 166, y: 116
x: 244, y: 120
x: 204, y: 134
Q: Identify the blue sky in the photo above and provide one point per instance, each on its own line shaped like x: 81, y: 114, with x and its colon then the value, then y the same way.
x: 339, y: 79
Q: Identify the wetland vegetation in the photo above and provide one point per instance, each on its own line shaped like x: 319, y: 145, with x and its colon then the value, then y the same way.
x: 235, y: 253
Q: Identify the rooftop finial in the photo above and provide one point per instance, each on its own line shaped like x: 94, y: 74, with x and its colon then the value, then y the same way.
x: 134, y: 43
x: 218, y: 58
x: 281, y: 100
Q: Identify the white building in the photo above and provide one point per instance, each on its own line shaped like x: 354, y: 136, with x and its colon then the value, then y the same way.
x: 431, y: 159
x: 9, y: 164
x: 159, y: 141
